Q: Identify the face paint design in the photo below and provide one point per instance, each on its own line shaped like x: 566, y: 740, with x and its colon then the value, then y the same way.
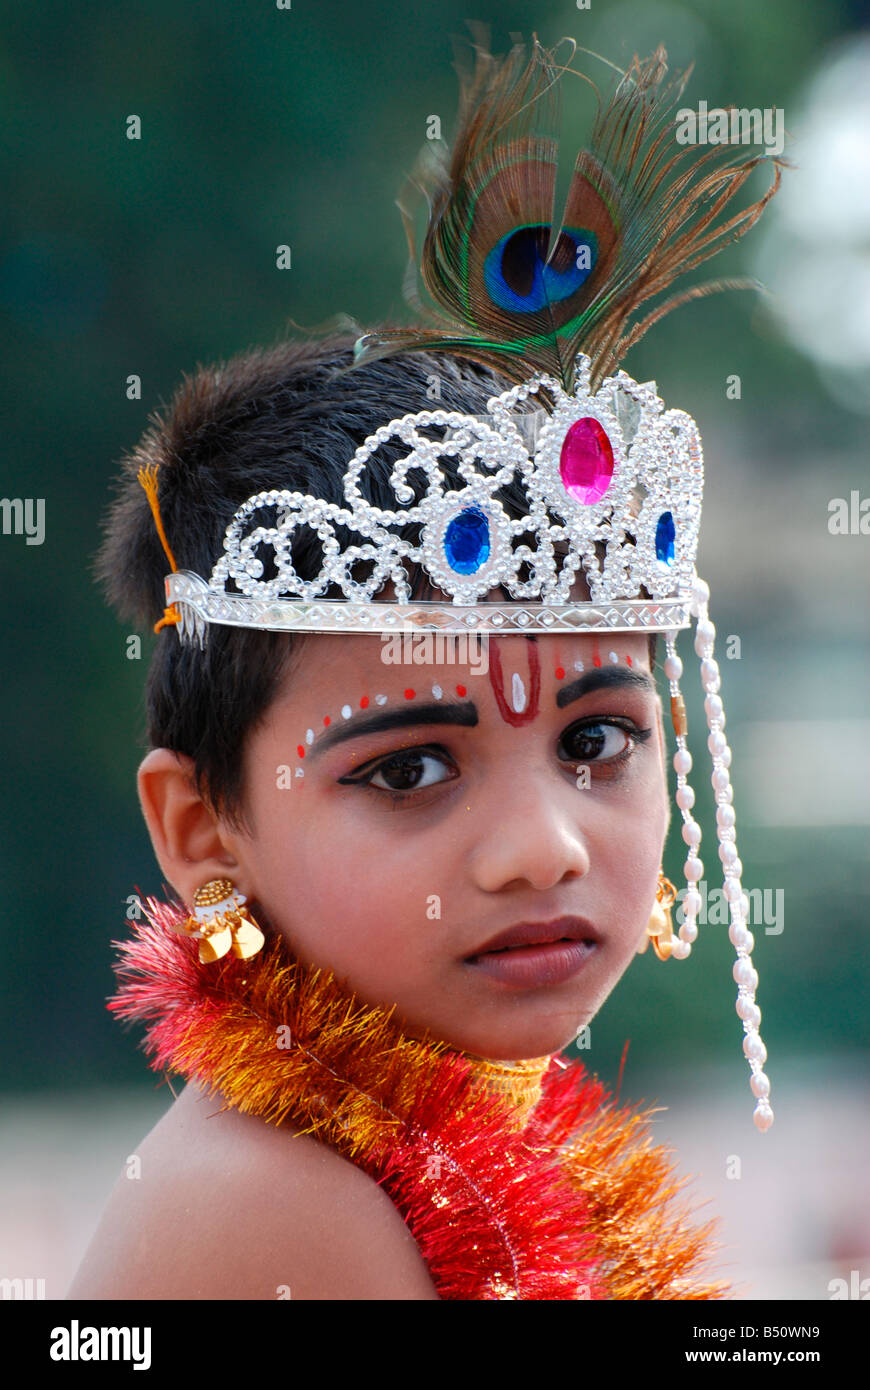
x: 525, y: 684
x: 525, y: 689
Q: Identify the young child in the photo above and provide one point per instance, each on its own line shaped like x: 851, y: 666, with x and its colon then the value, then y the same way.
x: 408, y: 775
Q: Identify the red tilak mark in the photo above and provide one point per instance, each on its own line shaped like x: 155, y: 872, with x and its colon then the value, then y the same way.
x: 560, y: 673
x: 596, y: 655
x: 409, y: 694
x: 364, y: 702
x: 326, y: 720
x: 496, y: 680
x: 460, y: 690
x: 628, y: 658
x: 300, y: 750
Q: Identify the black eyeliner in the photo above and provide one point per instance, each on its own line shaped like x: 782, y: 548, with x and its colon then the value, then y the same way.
x: 371, y: 767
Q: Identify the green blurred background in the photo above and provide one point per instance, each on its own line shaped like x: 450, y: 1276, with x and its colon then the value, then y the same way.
x: 264, y: 126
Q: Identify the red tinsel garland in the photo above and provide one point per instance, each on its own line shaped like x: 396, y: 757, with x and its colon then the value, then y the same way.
x: 504, y: 1201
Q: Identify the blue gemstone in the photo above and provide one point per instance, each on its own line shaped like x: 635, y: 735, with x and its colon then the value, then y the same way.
x: 466, y: 540
x: 666, y: 534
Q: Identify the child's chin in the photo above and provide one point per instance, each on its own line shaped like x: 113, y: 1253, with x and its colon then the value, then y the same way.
x: 517, y: 1044
x: 510, y: 1034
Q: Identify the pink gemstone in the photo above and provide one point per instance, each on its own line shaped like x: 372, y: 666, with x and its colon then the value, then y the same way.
x: 586, y: 461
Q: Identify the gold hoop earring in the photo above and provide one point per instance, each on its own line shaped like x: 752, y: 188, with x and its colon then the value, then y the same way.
x: 222, y: 923
x: 660, y: 928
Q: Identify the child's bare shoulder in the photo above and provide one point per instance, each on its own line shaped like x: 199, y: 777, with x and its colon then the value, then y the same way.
x: 228, y: 1207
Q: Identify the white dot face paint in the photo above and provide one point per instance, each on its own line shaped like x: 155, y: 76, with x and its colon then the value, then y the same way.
x: 346, y: 711
x: 613, y: 656
x: 380, y: 699
x: 578, y: 666
x: 437, y: 691
x: 518, y: 693
x: 309, y: 735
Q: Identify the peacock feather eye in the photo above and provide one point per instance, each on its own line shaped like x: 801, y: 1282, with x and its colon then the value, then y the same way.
x: 518, y: 277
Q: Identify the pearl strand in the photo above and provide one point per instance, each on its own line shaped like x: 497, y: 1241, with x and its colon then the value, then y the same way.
x: 685, y: 798
x: 745, y: 977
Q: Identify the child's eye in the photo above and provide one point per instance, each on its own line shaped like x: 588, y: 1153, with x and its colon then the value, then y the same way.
x: 602, y: 740
x: 408, y: 771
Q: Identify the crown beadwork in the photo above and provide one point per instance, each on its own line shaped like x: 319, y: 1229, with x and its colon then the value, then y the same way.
x: 612, y: 487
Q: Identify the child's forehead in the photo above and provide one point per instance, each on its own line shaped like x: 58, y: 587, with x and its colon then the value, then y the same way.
x: 362, y: 666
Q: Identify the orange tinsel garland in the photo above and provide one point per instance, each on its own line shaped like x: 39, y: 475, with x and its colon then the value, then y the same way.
x: 559, y: 1194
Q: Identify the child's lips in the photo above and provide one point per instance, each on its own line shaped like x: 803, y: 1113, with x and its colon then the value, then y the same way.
x: 532, y: 954
x: 526, y: 936
x: 535, y: 965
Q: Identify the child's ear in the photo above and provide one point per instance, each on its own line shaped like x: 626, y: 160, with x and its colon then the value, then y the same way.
x: 184, y: 831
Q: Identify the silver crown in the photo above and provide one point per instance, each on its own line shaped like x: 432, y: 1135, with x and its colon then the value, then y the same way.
x: 612, y: 482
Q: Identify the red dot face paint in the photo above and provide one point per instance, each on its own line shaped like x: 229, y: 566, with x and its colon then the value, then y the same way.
x: 460, y: 690
x: 364, y: 702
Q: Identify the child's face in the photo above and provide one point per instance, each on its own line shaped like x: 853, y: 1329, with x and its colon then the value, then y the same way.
x: 401, y: 851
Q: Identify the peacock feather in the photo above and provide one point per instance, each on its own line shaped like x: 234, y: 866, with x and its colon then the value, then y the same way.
x: 515, y: 289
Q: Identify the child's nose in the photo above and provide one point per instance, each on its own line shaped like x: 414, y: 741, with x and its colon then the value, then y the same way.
x: 532, y: 836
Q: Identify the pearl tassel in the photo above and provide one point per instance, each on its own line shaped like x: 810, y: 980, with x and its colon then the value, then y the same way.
x: 745, y: 977
x: 685, y: 798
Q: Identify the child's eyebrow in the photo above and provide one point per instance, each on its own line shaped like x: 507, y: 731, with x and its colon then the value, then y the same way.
x: 466, y: 713
x: 608, y: 676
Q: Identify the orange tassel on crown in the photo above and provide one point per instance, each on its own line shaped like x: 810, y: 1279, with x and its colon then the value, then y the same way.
x: 148, y: 479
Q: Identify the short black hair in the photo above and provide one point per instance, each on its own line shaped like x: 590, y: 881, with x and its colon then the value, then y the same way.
x: 288, y: 416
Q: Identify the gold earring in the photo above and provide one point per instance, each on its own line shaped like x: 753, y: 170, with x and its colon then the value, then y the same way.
x: 660, y: 928
x: 222, y: 923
